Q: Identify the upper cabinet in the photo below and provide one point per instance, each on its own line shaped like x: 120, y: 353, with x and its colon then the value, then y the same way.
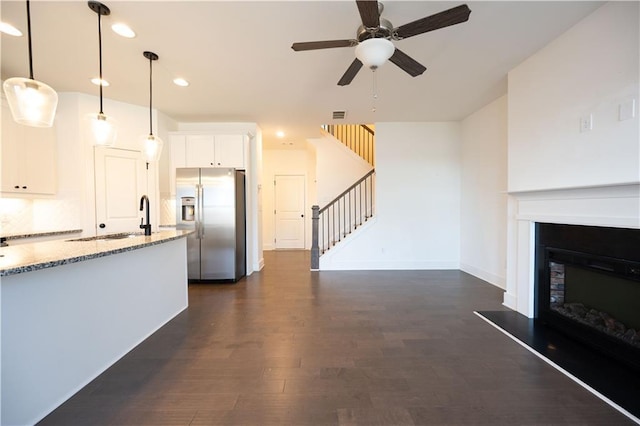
x: 200, y: 151
x: 206, y: 150
x: 28, y: 157
x: 229, y: 151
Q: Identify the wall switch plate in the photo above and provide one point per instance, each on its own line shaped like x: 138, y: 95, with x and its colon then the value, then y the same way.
x: 627, y: 110
x: 586, y: 123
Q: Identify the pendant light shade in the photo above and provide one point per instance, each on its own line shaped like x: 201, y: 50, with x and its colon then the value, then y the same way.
x: 374, y: 52
x: 151, y: 148
x: 32, y: 102
x: 102, y: 129
x: 151, y: 145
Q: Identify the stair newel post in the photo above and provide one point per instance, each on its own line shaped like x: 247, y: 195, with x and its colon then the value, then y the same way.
x: 315, y: 249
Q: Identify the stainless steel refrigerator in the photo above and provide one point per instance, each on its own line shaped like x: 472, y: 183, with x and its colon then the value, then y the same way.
x: 211, y: 201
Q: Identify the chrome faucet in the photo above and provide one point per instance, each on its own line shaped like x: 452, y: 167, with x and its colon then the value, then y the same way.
x: 147, y: 228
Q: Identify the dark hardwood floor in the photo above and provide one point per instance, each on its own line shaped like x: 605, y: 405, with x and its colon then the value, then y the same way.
x: 289, y: 347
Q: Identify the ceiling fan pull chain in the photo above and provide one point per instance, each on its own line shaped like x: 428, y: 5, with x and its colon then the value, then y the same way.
x: 374, y: 90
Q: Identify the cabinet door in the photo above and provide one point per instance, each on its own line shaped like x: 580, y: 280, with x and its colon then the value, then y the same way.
x: 28, y: 157
x: 229, y: 150
x: 11, y: 137
x: 199, y: 151
x: 177, y: 159
x: 39, y: 162
x: 178, y: 151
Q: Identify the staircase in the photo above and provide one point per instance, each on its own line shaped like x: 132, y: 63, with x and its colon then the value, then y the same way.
x: 359, y: 138
x: 355, y: 205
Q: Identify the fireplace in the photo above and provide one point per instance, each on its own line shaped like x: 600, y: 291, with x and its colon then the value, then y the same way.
x: 588, y: 286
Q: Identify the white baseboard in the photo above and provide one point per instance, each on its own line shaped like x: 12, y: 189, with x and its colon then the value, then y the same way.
x: 489, y: 277
x: 510, y: 301
x: 389, y: 265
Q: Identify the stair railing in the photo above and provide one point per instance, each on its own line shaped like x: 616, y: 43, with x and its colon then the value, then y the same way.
x: 333, y: 222
x: 359, y: 138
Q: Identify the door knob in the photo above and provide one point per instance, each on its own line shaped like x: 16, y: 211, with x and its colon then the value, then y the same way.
x: 102, y: 226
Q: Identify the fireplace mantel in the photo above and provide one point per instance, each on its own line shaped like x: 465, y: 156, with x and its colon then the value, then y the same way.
x: 607, y: 205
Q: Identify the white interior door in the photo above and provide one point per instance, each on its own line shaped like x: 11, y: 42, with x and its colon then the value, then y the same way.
x: 120, y: 182
x: 289, y: 211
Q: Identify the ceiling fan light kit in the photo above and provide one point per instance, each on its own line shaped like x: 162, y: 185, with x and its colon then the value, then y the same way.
x: 373, y: 44
x: 32, y: 102
x: 374, y: 52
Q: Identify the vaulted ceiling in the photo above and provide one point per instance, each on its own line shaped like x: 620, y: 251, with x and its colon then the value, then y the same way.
x: 237, y: 56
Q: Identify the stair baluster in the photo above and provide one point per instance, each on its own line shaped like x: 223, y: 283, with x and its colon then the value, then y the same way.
x: 332, y: 221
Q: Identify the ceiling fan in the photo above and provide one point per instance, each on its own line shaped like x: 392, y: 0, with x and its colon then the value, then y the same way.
x: 377, y: 30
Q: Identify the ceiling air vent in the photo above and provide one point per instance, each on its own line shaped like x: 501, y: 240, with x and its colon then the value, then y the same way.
x: 339, y: 115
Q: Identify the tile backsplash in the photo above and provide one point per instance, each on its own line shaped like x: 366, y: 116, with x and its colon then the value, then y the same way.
x: 19, y: 215
x: 167, y: 210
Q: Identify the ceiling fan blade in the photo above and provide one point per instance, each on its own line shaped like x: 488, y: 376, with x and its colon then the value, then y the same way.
x: 407, y: 64
x: 351, y: 72
x: 443, y: 19
x: 328, y: 44
x: 369, y: 13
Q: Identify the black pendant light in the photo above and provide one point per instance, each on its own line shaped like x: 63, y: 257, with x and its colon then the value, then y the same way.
x: 151, y: 145
x: 32, y: 102
x: 102, y: 129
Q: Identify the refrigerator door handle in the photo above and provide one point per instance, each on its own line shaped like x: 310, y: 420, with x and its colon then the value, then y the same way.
x: 198, y: 210
x: 201, y: 200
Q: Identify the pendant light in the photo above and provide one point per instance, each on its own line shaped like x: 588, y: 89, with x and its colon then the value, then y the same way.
x: 32, y: 102
x: 102, y: 129
x: 151, y: 145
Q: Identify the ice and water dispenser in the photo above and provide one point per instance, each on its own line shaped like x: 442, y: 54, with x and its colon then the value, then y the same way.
x: 188, y: 209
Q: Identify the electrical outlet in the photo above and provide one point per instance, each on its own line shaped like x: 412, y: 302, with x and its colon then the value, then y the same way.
x: 586, y: 123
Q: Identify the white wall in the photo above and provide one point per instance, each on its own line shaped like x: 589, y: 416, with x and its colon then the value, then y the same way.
x: 483, y: 217
x: 338, y: 168
x: 417, y: 222
x: 591, y: 69
x: 589, y: 178
x: 286, y: 162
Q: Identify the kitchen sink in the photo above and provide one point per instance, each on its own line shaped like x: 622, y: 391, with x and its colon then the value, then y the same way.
x: 119, y: 236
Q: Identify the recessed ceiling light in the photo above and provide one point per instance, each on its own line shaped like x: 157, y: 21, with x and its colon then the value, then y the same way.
x: 123, y: 30
x: 180, y: 82
x: 280, y: 134
x: 10, y: 30
x: 96, y: 81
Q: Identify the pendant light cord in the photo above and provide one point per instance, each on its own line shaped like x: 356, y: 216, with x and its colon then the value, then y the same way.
x: 150, y: 95
x: 29, y: 40
x: 100, y: 54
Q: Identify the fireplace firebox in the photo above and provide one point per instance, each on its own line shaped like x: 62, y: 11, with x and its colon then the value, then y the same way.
x: 588, y: 286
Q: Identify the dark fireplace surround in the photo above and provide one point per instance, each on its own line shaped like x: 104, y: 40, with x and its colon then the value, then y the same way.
x: 588, y: 286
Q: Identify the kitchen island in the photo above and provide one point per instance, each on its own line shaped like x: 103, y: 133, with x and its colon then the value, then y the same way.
x: 71, y: 308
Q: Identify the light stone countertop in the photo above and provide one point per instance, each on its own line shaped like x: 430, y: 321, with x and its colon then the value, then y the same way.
x: 31, y: 257
x: 36, y: 234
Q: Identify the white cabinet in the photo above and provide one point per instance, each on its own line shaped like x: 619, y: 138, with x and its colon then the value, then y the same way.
x: 200, y: 151
x: 204, y: 150
x: 178, y: 152
x: 229, y: 151
x: 28, y: 157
